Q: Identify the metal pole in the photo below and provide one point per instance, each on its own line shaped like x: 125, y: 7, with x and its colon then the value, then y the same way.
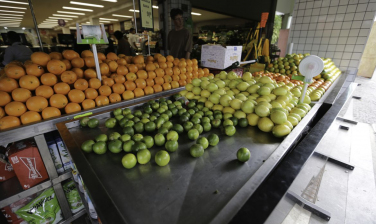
x: 134, y: 14
x: 149, y: 44
x: 35, y: 24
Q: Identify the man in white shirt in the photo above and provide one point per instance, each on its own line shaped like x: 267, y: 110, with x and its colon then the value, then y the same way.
x: 133, y: 40
x: 17, y: 51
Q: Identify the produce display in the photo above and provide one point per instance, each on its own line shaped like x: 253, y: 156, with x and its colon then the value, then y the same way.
x: 53, y: 84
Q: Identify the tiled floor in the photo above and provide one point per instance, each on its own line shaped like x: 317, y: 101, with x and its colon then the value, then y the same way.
x: 348, y: 195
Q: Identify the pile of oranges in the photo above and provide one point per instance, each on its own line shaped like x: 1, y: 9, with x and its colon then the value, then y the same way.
x: 52, y: 84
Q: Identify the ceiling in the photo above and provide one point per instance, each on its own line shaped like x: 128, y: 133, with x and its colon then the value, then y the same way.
x: 44, y: 9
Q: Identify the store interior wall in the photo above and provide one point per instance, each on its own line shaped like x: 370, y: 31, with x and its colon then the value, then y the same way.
x: 336, y: 29
x: 368, y: 61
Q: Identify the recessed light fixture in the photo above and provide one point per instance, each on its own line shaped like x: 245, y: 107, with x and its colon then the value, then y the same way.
x: 155, y: 7
x: 104, y: 22
x: 14, y: 2
x: 122, y: 16
x: 88, y: 22
x: 74, y: 13
x: 131, y: 10
x: 5, y: 27
x: 11, y: 11
x: 73, y: 28
x: 108, y: 19
x: 65, y: 15
x: 86, y: 4
x: 60, y: 18
x: 5, y: 14
x: 196, y: 13
x: 77, y: 9
x: 11, y: 7
x: 109, y: 0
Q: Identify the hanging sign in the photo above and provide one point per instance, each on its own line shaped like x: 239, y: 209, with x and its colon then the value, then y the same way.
x: 264, y: 19
x: 146, y: 14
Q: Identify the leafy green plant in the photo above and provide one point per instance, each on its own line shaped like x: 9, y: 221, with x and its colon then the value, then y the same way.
x: 276, y: 28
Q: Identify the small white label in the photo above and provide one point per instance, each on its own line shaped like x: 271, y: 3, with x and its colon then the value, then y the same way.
x: 15, y: 159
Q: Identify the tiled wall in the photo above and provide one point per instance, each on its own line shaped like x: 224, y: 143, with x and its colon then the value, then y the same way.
x: 336, y: 29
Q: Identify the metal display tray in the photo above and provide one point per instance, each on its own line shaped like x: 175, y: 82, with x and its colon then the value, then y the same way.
x: 187, y: 190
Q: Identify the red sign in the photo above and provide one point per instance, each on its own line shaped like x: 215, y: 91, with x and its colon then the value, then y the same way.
x: 61, y: 22
x: 264, y: 18
x: 6, y: 170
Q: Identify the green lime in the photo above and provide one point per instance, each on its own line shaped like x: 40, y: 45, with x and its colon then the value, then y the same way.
x: 205, y: 119
x: 169, y: 102
x: 139, y: 127
x: 243, y: 122
x: 143, y: 156
x: 127, y: 146
x: 155, y: 106
x: 195, y: 120
x: 123, y: 121
x: 165, y: 117
x: 119, y: 117
x: 168, y: 113
x: 128, y: 130
x: 113, y: 136
x: 84, y: 121
x: 162, y: 100
x: 110, y: 123
x: 176, y: 96
x: 235, y: 120
x: 182, y: 111
x: 188, y: 125
x: 209, y: 113
x: 129, y: 123
x: 93, y: 123
x: 196, y: 150
x: 161, y: 110
x: 216, y: 123
x: 145, y: 116
x: 230, y: 130
x: 118, y: 111
x: 171, y: 145
x: 148, y: 110
x: 243, y: 155
x: 168, y: 125
x: 127, y: 111
x: 129, y: 116
x: 163, y: 131
x: 87, y: 146
x: 186, y: 114
x: 152, y: 118
x: 150, y: 126
x: 178, y: 128
x: 203, y: 141
x: 137, y: 113
x: 125, y: 137
x: 138, y: 146
x: 191, y: 111
x: 149, y: 141
x: 115, y: 146
x: 144, y: 120
x: 101, y: 138
x: 227, y: 122
x: 162, y: 158
x: 129, y: 161
x: 172, y: 136
x: 159, y: 139
x: 218, y: 116
x: 227, y: 116
x: 137, y: 137
x: 198, y: 114
x: 183, y: 118
x: 191, y: 104
x: 136, y: 120
x: 193, y: 134
x: 213, y: 139
x: 100, y: 148
x: 199, y: 128
x: 206, y: 126
x: 159, y: 122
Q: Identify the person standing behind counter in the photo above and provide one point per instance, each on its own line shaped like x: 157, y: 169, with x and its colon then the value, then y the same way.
x: 179, y: 39
x: 17, y: 51
x: 133, y: 40
x: 123, y: 45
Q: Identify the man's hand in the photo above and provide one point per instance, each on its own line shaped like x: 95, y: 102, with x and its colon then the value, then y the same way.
x: 187, y: 55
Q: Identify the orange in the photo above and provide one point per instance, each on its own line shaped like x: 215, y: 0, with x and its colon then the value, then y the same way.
x: 90, y: 73
x: 76, y: 96
x: 182, y: 77
x: 118, y: 88
x: 121, y: 61
x: 189, y: 68
x: 119, y: 78
x: 170, y: 58
x: 15, y: 72
x: 156, y: 56
x: 114, y: 97
x: 150, y: 67
x: 44, y: 91
x: 182, y: 82
x: 36, y: 103
x: 161, y: 59
x: 148, y: 90
x: 9, y: 122
x: 21, y: 94
x: 138, y: 92
x: 67, y: 63
x: 49, y: 112
x: 194, y: 61
x: 149, y: 58
x: 206, y: 71
x: 195, y: 67
x: 62, y: 88
x: 70, y: 54
x: 30, y: 116
x: 182, y: 64
x: 128, y: 94
x: 189, y: 62
x: 81, y: 84
x: 15, y: 108
x: 29, y: 82
x: 167, y: 79
x: 157, y: 88
x: 170, y: 64
x: 88, y: 104
x: 189, y: 80
x: 104, y: 90
x: 200, y: 72
x: 211, y: 74
x: 159, y: 80
x: 159, y: 72
x: 101, y: 56
x: 94, y: 83
x: 79, y: 72
x: 140, y: 83
x: 131, y: 76
x: 128, y: 59
x: 166, y: 86
x: 176, y: 62
x: 142, y: 74
x: 78, y: 63
x: 58, y: 101
x: 132, y: 68
x: 2, y: 112
x: 168, y: 71
x: 122, y: 70
x: 150, y: 82
x: 72, y: 108
x: 48, y: 79
x: 105, y: 70
x: 87, y: 53
x: 35, y: 70
x: 139, y: 59
x: 108, y: 82
x: 101, y: 101
x: 175, y: 84
x: 89, y: 62
x: 176, y: 70
x: 56, y: 55
x: 5, y: 98
x: 112, y: 56
x: 107, y: 61
x: 151, y: 75
x: 68, y: 77
x: 91, y: 93
x: 40, y: 58
x: 113, y: 66
x: 183, y: 70
x: 130, y: 85
x: 163, y: 65
x: 175, y: 78
x: 56, y: 67
x: 156, y: 65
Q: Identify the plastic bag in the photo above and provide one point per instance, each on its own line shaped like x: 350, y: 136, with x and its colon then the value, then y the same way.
x: 73, y: 197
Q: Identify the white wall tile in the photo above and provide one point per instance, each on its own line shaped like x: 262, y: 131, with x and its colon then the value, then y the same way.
x: 303, y: 33
x: 359, y: 48
x: 324, y: 11
x: 337, y: 25
x: 309, y: 40
x: 301, y: 13
x: 354, y: 32
x: 317, y: 40
x: 361, y: 40
x: 315, y: 47
x: 331, y: 47
x: 351, y: 8
x: 332, y: 10
x: 311, y: 33
x: 371, y: 7
x: 320, y: 26
x: 302, y: 5
x: 354, y: 63
x: 344, y: 33
x: 334, y: 2
x: 342, y: 9
x: 312, y: 26
x: 298, y: 27
x: 343, y: 2
x: 307, y: 19
x: 349, y: 48
x: 367, y: 24
x: 302, y: 40
x: 359, y: 16
x: 308, y: 12
x: 326, y: 33
x: 363, y: 1
x: 361, y: 8
x: 364, y: 32
x: 317, y: 4
x: 325, y: 40
x: 316, y: 11
x: 346, y: 25
x: 323, y: 47
x: 330, y: 18
x: 321, y: 53
x: 336, y: 61
x: 319, y: 33
x: 309, y: 5
x: 338, y: 55
x: 314, y: 19
x: 329, y: 54
x: 345, y: 62
x: 340, y: 17
x: 349, y: 16
x: 328, y: 26
x: 299, y: 19
x: 342, y: 40
x: 335, y: 33
x: 351, y: 40
x: 346, y: 55
x: 308, y: 47
x: 369, y: 15
x: 353, y: 1
x: 314, y: 52
x: 333, y: 41
x: 325, y: 3
x: 356, y: 56
x: 322, y: 18
x: 356, y: 24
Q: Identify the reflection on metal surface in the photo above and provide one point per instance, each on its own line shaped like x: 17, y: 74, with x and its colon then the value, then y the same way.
x: 313, y: 187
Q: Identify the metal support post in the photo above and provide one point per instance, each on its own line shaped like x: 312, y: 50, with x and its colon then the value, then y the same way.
x: 35, y: 24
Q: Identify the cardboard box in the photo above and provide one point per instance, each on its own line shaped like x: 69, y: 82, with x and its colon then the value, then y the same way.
x: 216, y: 56
x: 27, y: 163
x: 6, y: 170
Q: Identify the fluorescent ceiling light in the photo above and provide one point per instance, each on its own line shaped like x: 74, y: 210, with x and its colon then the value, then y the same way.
x: 23, y: 28
x: 104, y: 21
x: 11, y: 11
x: 131, y: 10
x: 11, y: 7
x: 5, y: 14
x: 108, y: 19
x: 196, y: 13
x: 109, y: 0
x: 77, y: 9
x: 51, y: 20
x: 65, y: 15
x: 74, y: 13
x: 7, y: 17
x: 73, y: 28
x: 60, y: 18
x: 14, y: 2
x: 279, y: 13
x: 155, y: 7
x: 88, y: 22
x: 18, y: 19
x: 122, y: 16
x: 86, y: 4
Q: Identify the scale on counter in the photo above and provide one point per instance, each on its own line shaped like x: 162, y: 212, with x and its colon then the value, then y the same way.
x: 309, y: 67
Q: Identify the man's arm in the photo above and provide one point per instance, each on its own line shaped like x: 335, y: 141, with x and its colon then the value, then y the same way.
x: 8, y: 56
x: 187, y: 55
